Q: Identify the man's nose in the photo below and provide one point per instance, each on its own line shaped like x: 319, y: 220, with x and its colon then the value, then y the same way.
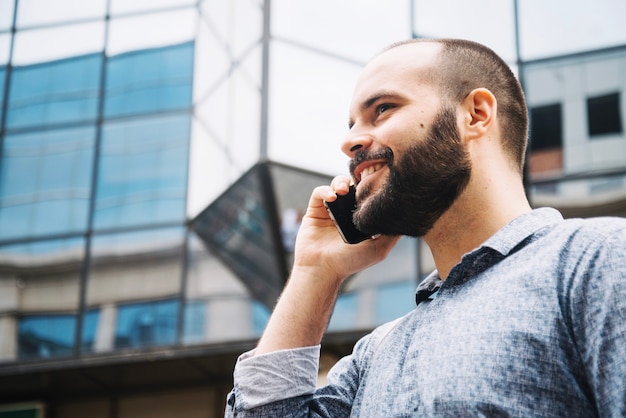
x: 354, y: 142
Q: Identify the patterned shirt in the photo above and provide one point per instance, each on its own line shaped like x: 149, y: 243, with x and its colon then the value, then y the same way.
x: 530, y: 324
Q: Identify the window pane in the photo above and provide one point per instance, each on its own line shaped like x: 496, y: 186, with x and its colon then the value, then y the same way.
x: 128, y: 6
x: 564, y: 26
x: 150, y: 31
x: 42, y: 45
x: 546, y: 127
x: 3, y: 72
x: 326, y: 119
x: 394, y: 300
x: 40, y: 12
x: 44, y: 336
x: 213, y: 293
x: 45, y: 181
x: 604, y: 115
x: 5, y: 48
x: 457, y: 19
x: 302, y: 22
x: 55, y: 92
x: 39, y: 294
x: 149, y: 81
x: 142, y: 173
x: 146, y: 324
x: 6, y: 14
x: 129, y: 272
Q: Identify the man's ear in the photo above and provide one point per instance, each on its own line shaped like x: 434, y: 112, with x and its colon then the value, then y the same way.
x: 480, y: 111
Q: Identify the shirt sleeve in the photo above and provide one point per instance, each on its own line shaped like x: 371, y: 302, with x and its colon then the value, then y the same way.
x: 276, y: 376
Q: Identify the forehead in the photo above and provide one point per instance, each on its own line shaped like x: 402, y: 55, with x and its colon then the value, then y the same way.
x: 396, y: 69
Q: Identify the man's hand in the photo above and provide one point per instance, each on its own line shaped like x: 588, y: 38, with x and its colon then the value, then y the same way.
x: 322, y: 260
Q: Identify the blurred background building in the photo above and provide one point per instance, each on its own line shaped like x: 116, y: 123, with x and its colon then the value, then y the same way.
x: 156, y: 157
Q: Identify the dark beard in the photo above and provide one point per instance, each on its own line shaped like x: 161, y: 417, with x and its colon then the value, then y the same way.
x: 422, y: 185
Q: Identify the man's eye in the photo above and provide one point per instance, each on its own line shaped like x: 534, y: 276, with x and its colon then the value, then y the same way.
x: 383, y: 108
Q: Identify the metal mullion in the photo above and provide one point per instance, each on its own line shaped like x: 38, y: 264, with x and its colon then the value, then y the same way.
x: 92, y: 198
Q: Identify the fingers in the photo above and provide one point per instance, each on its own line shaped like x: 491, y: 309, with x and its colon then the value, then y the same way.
x: 338, y: 186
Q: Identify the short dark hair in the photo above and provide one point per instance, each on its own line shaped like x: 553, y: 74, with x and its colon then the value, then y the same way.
x: 463, y: 66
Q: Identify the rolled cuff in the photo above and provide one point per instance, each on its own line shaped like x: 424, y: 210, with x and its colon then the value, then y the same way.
x: 276, y: 376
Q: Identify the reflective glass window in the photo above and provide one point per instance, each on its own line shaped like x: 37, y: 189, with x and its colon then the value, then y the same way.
x: 5, y: 48
x: 149, y: 81
x: 560, y: 27
x: 45, y: 336
x: 90, y: 326
x: 146, y: 324
x: 260, y: 316
x: 39, y: 297
x: 435, y: 19
x: 6, y: 14
x: 345, y: 313
x: 3, y: 72
x: 371, y: 26
x: 309, y: 79
x: 45, y: 181
x: 604, y: 115
x: 54, y: 92
x: 195, y: 318
x: 130, y: 274
x: 128, y: 6
x: 157, y: 30
x: 394, y: 300
x: 58, y: 42
x: 41, y: 12
x: 143, y: 172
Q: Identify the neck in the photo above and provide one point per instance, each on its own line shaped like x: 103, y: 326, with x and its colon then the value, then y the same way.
x: 481, y: 210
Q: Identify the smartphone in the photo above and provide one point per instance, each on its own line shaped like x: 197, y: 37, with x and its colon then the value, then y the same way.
x: 340, y: 212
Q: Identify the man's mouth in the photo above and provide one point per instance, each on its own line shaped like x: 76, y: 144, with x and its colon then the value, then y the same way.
x: 367, y: 170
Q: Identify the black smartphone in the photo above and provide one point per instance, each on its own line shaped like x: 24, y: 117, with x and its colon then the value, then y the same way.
x: 340, y: 212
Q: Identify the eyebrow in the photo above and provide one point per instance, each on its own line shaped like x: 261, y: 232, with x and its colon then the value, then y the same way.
x: 371, y: 100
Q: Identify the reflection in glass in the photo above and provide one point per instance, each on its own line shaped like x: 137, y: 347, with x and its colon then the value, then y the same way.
x: 394, y: 300
x: 241, y: 228
x: 213, y: 293
x: 149, y: 81
x: 45, y: 180
x: 5, y: 48
x: 302, y: 21
x: 55, y: 92
x: 6, y: 14
x: 433, y: 19
x: 157, y: 30
x: 195, y: 318
x: 309, y: 79
x: 133, y: 284
x: 44, y: 336
x: 2, y: 75
x: 345, y: 313
x: 41, y: 12
x: 146, y: 324
x: 562, y: 27
x: 129, y: 6
x: 143, y: 172
x: 39, y: 295
x: 58, y: 42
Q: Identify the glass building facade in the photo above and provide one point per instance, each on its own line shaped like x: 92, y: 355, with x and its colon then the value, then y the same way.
x: 156, y: 157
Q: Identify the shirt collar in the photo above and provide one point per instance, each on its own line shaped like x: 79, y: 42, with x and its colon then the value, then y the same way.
x: 508, y: 239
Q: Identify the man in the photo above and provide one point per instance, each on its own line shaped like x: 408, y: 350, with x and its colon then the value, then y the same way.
x: 525, y: 314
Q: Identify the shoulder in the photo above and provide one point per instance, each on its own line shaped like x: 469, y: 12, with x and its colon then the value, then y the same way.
x: 584, y: 235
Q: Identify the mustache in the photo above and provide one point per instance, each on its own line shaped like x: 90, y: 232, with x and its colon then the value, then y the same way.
x: 365, y: 155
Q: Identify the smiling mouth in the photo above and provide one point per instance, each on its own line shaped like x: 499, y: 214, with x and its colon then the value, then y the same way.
x: 369, y: 170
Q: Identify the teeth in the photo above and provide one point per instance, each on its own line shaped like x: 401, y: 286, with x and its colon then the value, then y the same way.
x: 370, y: 170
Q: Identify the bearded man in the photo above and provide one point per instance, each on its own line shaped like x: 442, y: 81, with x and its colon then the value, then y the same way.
x: 525, y: 314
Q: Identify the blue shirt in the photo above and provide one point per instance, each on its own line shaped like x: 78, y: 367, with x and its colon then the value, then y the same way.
x: 530, y: 324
